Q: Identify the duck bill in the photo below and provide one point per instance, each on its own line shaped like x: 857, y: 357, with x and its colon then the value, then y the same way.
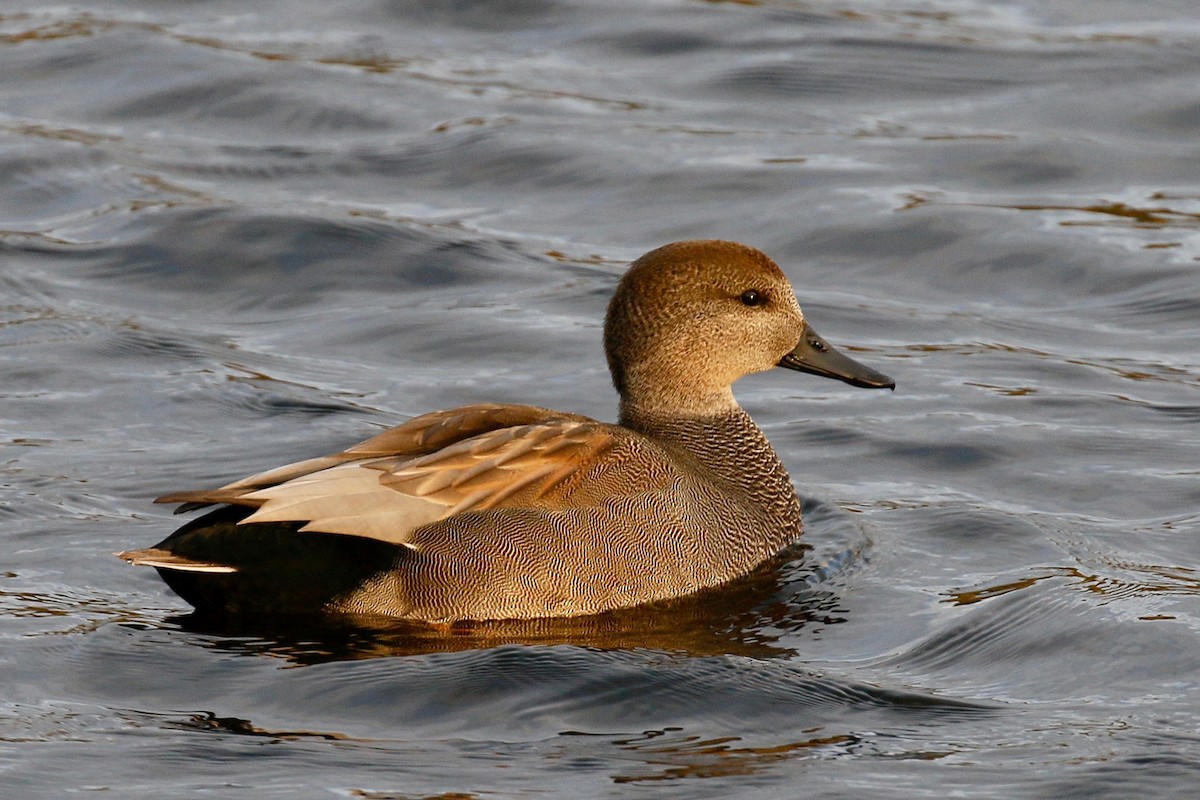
x: 817, y: 356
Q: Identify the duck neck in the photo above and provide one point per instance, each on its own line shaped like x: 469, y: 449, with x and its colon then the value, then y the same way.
x: 734, y: 449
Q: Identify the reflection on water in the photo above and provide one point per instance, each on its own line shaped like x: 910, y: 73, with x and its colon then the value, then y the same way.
x: 231, y: 238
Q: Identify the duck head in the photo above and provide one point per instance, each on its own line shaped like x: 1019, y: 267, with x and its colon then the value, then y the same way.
x: 690, y: 318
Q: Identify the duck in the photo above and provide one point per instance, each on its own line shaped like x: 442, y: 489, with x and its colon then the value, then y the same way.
x: 505, y: 511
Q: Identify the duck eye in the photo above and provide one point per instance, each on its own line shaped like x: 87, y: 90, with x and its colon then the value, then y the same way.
x: 751, y: 297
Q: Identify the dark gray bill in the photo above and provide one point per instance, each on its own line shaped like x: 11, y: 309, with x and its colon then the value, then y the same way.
x: 817, y: 356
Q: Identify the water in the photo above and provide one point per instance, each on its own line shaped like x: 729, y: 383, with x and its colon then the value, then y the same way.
x: 233, y: 236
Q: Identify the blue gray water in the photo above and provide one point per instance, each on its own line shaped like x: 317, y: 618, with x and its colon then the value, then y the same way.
x: 237, y: 234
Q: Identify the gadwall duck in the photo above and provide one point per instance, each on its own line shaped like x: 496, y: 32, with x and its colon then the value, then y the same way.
x: 511, y: 511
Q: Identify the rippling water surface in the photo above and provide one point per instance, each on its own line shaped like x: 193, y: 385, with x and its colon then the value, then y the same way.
x: 233, y: 235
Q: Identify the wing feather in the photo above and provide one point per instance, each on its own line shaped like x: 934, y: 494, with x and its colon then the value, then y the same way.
x: 387, y: 498
x: 164, y: 559
x: 423, y: 435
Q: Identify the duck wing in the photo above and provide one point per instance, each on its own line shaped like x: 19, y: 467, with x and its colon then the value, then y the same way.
x: 373, y: 491
x: 388, y: 498
x: 419, y: 436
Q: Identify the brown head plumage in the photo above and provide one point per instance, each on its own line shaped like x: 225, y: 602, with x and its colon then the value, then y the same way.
x: 690, y: 318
